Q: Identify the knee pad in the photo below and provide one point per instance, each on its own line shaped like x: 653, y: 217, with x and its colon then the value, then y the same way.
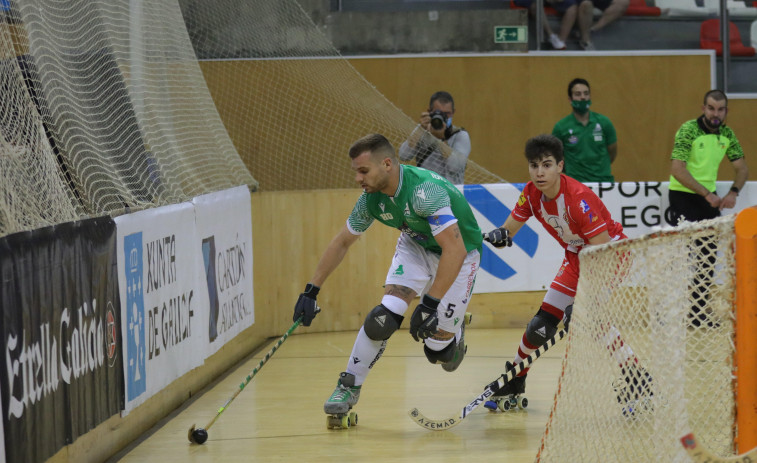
x: 440, y: 356
x: 542, y: 327
x: 381, y: 323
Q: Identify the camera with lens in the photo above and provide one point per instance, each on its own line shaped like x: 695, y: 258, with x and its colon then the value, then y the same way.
x: 438, y: 119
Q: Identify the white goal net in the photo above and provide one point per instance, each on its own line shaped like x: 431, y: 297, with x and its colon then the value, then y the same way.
x: 650, y: 350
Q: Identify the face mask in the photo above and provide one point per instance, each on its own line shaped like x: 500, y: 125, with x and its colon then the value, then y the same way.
x: 581, y: 106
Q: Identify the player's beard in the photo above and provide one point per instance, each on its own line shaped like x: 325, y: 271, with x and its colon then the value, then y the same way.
x: 714, y: 123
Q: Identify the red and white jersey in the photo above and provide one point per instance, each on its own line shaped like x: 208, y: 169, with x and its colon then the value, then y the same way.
x: 574, y: 216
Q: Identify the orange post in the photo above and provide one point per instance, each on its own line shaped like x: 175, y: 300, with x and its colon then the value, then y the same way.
x: 746, y: 329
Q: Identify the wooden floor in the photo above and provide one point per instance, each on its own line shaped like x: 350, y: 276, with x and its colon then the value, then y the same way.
x: 279, y: 415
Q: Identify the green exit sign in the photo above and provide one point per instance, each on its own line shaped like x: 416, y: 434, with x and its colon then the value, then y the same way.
x: 510, y: 34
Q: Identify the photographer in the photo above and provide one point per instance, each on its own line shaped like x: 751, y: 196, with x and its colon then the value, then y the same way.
x: 436, y: 144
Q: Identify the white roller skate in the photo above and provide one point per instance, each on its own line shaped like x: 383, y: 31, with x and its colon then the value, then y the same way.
x: 338, y: 406
x: 510, y: 396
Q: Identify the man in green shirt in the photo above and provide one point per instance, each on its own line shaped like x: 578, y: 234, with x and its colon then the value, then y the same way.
x: 437, y: 256
x: 588, y: 138
x: 699, y: 147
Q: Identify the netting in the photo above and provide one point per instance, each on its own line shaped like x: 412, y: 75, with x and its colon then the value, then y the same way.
x: 105, y: 105
x: 650, y: 350
x: 291, y: 103
x: 106, y: 108
x: 33, y: 191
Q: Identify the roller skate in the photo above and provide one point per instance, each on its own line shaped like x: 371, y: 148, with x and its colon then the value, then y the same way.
x: 509, y: 397
x: 338, y: 407
x: 634, y: 389
x: 460, y: 347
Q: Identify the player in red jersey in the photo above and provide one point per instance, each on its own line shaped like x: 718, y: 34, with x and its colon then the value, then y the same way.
x: 574, y: 215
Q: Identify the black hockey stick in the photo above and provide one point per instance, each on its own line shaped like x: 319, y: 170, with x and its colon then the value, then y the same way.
x: 441, y: 425
x: 200, y: 435
x: 701, y: 455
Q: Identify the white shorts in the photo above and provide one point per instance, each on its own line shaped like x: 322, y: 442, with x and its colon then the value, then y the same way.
x: 415, y: 267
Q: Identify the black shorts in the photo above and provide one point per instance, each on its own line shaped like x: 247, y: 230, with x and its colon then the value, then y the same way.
x: 691, y: 206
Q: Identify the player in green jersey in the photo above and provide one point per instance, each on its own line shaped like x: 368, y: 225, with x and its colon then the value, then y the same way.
x: 437, y: 257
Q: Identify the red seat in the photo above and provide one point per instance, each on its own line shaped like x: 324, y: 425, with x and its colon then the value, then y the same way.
x: 640, y: 8
x: 709, y: 39
x: 548, y: 10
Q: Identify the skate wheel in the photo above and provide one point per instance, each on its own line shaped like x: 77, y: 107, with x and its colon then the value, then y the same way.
x: 522, y: 402
x: 490, y: 405
x: 504, y: 405
x: 353, y: 419
x: 468, y: 318
x: 345, y: 422
x: 333, y: 422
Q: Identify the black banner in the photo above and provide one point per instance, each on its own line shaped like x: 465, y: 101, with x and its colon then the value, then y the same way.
x: 60, y: 370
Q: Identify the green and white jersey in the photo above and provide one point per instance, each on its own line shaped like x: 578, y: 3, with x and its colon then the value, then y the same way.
x: 702, y: 152
x: 424, y: 204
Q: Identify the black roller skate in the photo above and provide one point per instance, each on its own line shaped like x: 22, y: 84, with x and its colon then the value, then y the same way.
x: 509, y: 397
x: 460, y: 347
x: 634, y: 389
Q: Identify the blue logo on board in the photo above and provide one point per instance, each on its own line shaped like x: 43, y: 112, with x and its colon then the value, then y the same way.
x: 136, y: 380
x: 496, y: 212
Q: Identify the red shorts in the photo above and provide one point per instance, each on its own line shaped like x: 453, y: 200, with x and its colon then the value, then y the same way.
x: 566, y: 280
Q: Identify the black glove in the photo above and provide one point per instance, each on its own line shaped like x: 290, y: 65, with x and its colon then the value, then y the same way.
x: 424, y: 321
x: 499, y: 237
x: 306, y: 306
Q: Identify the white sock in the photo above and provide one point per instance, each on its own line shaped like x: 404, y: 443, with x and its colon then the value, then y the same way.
x: 364, y: 355
x: 435, y: 345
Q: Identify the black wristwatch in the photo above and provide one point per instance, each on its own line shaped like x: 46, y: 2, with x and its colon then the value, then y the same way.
x: 735, y: 190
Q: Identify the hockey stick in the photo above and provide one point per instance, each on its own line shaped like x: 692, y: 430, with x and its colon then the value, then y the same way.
x: 701, y: 455
x: 441, y: 425
x: 200, y: 435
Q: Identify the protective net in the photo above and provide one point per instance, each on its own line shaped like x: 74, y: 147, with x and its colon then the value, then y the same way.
x: 650, y: 350
x: 105, y: 105
x: 291, y: 103
x: 33, y: 190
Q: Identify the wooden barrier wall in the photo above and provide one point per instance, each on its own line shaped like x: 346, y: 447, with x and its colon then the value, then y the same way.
x: 503, y: 100
x: 287, y: 254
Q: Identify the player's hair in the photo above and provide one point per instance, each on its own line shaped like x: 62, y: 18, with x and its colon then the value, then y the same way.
x: 541, y: 146
x: 715, y: 94
x: 575, y: 82
x: 376, y: 143
x: 443, y: 97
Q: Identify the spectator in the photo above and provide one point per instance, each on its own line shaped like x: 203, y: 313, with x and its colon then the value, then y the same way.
x: 699, y: 147
x: 568, y: 11
x: 611, y: 10
x: 589, y: 138
x: 436, y: 144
